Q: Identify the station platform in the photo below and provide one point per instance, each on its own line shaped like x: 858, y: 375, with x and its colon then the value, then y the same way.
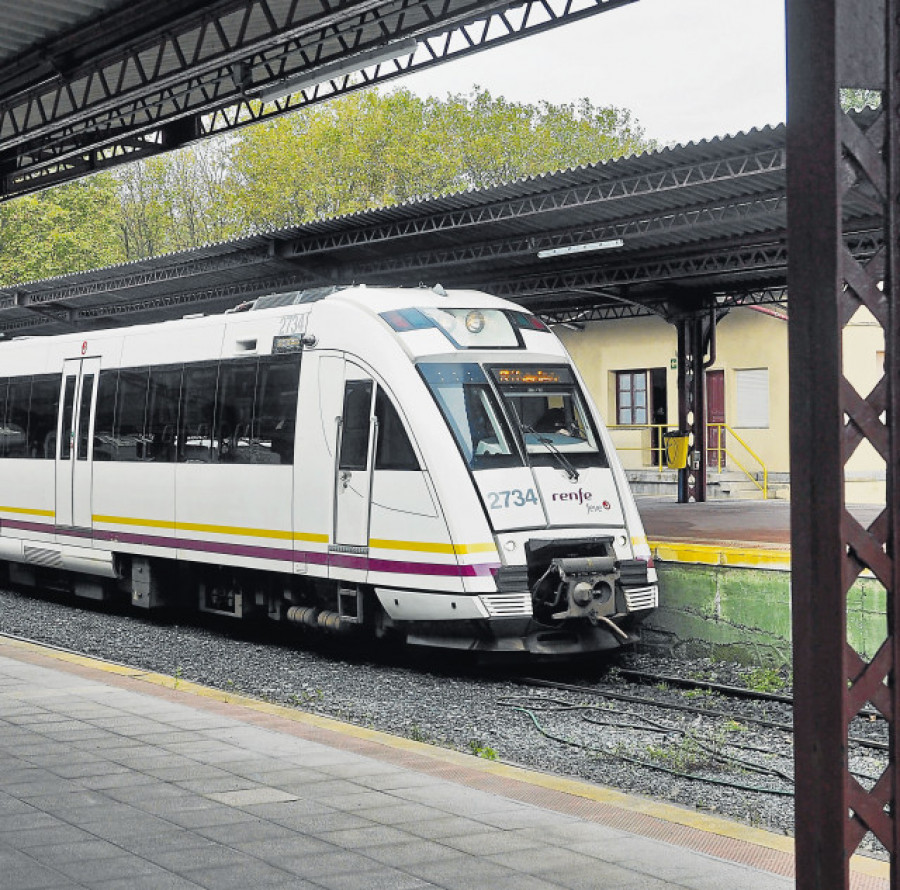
x: 750, y: 534
x: 117, y: 778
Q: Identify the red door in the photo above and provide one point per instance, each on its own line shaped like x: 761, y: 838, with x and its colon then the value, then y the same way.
x: 715, y: 413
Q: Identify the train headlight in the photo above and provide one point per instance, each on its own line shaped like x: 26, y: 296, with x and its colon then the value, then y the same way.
x: 475, y: 322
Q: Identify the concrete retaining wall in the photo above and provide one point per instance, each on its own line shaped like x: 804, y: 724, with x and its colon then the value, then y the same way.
x: 744, y: 614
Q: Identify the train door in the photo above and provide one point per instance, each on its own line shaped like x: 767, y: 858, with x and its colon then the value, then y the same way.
x: 353, y: 464
x: 74, y: 451
x: 715, y: 418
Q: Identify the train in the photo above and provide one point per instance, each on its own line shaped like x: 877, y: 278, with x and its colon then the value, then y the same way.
x: 413, y: 464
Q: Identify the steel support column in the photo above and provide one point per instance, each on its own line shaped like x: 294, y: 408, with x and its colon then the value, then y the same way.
x: 693, y: 337
x: 834, y: 44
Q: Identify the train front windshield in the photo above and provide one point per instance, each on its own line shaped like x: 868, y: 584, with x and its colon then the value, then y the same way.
x: 510, y: 415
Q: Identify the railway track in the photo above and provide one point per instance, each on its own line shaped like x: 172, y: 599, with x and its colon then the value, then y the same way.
x: 732, y: 735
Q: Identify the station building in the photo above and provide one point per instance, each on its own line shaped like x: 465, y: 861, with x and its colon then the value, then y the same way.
x: 630, y: 366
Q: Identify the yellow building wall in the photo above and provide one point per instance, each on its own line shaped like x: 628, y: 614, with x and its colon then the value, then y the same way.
x: 746, y: 339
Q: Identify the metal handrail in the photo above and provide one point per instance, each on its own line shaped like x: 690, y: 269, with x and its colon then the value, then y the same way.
x: 721, y: 451
x: 660, y: 448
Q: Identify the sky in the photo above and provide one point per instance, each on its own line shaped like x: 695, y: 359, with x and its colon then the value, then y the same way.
x: 686, y: 69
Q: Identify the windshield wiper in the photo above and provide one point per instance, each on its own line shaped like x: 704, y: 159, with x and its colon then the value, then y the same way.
x: 562, y: 460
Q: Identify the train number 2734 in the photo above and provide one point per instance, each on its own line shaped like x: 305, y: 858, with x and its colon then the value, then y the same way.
x: 498, y: 500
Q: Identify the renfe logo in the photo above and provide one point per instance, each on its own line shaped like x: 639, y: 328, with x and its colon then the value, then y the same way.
x: 581, y: 496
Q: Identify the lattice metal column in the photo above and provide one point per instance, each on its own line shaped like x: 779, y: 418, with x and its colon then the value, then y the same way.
x: 834, y: 44
x: 692, y: 406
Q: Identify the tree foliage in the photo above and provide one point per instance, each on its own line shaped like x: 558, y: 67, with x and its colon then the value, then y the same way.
x: 70, y: 228
x: 367, y: 149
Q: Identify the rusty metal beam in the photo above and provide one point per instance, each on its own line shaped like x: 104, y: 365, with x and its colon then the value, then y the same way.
x: 835, y: 44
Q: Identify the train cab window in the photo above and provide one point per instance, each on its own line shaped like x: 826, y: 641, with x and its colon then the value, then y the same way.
x: 393, y: 450
x: 472, y: 412
x: 545, y: 403
x: 131, y: 409
x: 198, y: 402
x: 234, y: 411
x: 104, y: 442
x: 275, y: 412
x: 356, y: 423
x: 42, y: 416
x: 16, y: 422
x: 162, y: 413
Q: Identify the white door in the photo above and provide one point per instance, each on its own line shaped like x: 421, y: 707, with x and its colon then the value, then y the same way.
x: 74, y: 450
x: 353, y: 465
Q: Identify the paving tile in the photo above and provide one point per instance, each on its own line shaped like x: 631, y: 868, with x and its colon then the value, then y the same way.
x: 157, y: 880
x: 337, y: 862
x: 546, y: 861
x: 373, y: 879
x: 412, y: 852
x: 216, y: 814
x: 246, y: 797
x: 249, y: 830
x: 489, y: 842
x: 93, y: 871
x: 358, y: 839
x: 250, y: 874
x: 401, y: 814
x: 34, y: 876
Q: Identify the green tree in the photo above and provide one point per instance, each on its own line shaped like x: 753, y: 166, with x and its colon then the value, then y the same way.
x: 365, y: 150
x: 69, y: 228
x: 175, y: 201
x: 369, y: 150
x: 856, y: 100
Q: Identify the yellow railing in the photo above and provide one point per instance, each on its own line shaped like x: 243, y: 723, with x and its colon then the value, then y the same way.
x: 657, y: 451
x: 723, y: 455
x: 727, y: 456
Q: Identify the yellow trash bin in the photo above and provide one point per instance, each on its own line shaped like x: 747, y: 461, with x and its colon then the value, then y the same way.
x: 676, y: 449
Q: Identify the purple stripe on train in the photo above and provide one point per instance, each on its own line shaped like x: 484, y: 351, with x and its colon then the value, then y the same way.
x: 279, y: 554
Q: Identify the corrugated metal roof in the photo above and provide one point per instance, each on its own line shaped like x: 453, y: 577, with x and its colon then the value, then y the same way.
x: 707, y: 216
x: 26, y: 26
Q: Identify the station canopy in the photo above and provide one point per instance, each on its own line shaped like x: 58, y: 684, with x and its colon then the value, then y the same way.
x: 95, y: 83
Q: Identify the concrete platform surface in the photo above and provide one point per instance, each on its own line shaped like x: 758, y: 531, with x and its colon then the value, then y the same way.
x: 115, y: 778
x: 720, y: 521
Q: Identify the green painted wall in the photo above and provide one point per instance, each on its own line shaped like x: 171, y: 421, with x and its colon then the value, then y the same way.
x: 744, y: 615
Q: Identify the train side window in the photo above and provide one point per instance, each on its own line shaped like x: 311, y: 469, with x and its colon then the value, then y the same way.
x: 104, y: 442
x: 162, y: 413
x: 5, y: 431
x: 356, y: 424
x: 16, y: 423
x: 131, y: 408
x: 42, y: 416
x: 393, y: 450
x: 84, y: 417
x: 274, y: 420
x: 68, y: 410
x: 234, y: 411
x: 198, y: 402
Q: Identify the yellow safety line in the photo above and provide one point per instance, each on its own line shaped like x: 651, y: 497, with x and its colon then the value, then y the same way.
x: 28, y: 512
x: 426, y: 547
x: 721, y: 554
x: 575, y: 787
x: 212, y: 529
x: 379, y: 543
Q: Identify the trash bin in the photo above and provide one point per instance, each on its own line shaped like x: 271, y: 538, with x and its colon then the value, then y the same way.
x: 676, y: 449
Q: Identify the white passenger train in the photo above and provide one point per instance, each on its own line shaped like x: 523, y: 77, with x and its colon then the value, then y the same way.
x: 405, y: 461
